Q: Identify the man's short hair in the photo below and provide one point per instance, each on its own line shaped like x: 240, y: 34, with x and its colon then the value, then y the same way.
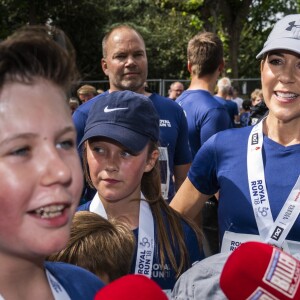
x: 205, y: 53
x: 87, y: 89
x: 176, y: 83
x: 114, y: 28
x: 224, y: 85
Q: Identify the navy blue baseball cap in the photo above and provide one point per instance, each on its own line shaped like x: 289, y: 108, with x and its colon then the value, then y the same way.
x: 124, y: 116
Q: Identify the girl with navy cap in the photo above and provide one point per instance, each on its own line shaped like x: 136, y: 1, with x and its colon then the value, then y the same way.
x: 120, y: 147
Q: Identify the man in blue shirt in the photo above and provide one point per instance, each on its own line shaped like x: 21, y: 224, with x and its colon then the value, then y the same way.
x: 125, y: 63
x: 222, y: 96
x: 205, y: 115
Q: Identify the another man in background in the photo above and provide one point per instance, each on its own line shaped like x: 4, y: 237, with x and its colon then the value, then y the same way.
x: 204, y: 114
x: 125, y: 63
x: 175, y: 90
x: 86, y: 92
x: 223, y: 90
x: 235, y: 98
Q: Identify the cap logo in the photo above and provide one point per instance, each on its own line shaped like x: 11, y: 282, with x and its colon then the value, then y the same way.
x: 107, y: 110
x: 292, y: 25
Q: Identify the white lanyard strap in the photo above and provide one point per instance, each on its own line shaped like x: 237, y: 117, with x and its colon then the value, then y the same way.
x: 59, y: 293
x: 97, y: 207
x: 286, y: 217
x: 257, y: 184
x: 270, y: 231
x: 165, y: 171
x: 145, y: 243
x: 145, y: 250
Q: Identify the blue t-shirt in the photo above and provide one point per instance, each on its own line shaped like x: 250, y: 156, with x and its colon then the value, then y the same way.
x: 166, y: 281
x: 78, y: 282
x: 221, y: 164
x: 244, y: 118
x: 231, y: 107
x: 173, y: 134
x: 205, y: 116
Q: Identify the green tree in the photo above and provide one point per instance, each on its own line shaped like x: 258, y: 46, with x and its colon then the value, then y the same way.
x: 166, y: 26
x: 165, y: 31
x: 243, y: 26
x: 83, y: 22
x: 260, y: 21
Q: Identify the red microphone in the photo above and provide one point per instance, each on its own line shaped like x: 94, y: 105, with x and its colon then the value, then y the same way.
x: 131, y: 287
x: 258, y: 271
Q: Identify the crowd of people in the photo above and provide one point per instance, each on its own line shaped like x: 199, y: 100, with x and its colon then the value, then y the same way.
x: 133, y: 192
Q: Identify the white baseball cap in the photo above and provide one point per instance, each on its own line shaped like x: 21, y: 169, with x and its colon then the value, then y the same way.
x: 285, y: 35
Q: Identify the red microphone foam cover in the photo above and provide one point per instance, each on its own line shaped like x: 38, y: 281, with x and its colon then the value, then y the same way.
x: 260, y: 271
x: 131, y: 287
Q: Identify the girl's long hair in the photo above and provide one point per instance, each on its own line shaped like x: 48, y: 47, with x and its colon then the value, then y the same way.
x: 169, y: 222
x: 169, y: 228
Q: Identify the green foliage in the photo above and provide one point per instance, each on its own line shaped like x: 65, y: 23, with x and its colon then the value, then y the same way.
x: 262, y: 16
x: 84, y: 23
x: 166, y: 32
x: 166, y: 26
x: 193, y: 4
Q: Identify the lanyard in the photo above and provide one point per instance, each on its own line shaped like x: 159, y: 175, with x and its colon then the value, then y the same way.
x: 57, y: 289
x: 58, y: 292
x: 97, y: 207
x: 271, y: 232
x: 145, y: 244
x: 165, y: 171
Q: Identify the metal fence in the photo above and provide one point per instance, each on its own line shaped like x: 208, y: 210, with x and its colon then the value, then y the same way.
x: 161, y: 86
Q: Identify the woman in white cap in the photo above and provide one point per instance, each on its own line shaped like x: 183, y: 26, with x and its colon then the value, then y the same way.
x: 256, y: 169
x: 120, y: 153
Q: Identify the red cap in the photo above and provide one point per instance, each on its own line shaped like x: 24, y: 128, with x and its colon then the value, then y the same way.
x: 132, y: 287
x: 260, y: 271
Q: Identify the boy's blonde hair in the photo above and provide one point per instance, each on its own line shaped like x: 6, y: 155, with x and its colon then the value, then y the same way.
x: 98, y: 245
